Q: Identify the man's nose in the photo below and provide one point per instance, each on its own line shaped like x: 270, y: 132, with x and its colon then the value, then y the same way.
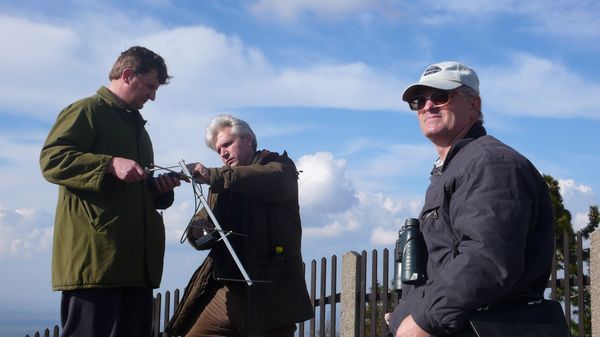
x: 152, y: 95
x: 428, y: 105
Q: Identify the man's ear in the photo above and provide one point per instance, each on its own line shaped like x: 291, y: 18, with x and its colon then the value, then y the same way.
x: 476, y: 105
x: 248, y: 140
x: 126, y: 75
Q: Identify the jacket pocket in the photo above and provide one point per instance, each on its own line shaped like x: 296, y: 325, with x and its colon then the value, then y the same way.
x: 429, y: 215
x: 104, y: 219
x: 98, y: 217
x: 271, y: 268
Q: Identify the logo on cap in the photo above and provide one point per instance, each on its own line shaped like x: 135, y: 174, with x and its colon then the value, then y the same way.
x: 431, y: 70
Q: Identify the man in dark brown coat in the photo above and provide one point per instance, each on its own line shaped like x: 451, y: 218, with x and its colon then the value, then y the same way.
x: 256, y: 195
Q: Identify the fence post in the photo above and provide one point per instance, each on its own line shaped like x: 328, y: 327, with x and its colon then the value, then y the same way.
x: 349, y: 322
x: 595, y: 282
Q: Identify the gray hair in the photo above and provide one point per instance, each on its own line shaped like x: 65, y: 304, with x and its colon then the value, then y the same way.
x: 471, y: 92
x: 238, y: 127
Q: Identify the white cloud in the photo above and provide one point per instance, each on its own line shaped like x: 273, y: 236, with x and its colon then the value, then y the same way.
x: 579, y: 220
x: 24, y: 232
x: 399, y: 159
x: 205, y: 64
x: 382, y: 236
x: 266, y: 129
x: 44, y: 63
x: 388, y: 164
x: 577, y: 198
x: 373, y: 215
x: 290, y: 10
x: 553, y: 83
x: 569, y: 19
x: 453, y: 11
x: 38, y: 45
x: 177, y: 217
x: 352, y: 86
x: 340, y: 224
x: 22, y: 183
x: 323, y: 183
x: 563, y: 18
x: 580, y: 19
x: 332, y: 207
x: 568, y: 188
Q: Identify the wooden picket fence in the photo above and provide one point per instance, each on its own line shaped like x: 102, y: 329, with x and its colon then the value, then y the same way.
x: 375, y: 297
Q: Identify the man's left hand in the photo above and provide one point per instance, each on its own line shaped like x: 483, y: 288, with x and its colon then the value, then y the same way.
x: 165, y: 183
x: 199, y: 172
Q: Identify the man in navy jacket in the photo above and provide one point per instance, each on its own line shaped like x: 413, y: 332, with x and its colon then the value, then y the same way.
x: 487, y: 219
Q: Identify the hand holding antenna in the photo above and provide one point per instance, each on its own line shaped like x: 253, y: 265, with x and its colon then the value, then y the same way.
x: 200, y: 173
x: 164, y: 182
x: 218, y: 230
x: 126, y: 170
x: 197, y: 174
x: 171, y: 173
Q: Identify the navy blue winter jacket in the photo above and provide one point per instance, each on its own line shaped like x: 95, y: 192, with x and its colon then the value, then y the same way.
x: 488, y: 226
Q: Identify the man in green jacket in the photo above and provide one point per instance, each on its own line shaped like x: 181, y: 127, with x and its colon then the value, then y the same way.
x: 255, y: 195
x: 109, y: 239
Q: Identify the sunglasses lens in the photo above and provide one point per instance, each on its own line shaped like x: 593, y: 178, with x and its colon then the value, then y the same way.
x: 439, y: 98
x: 417, y: 102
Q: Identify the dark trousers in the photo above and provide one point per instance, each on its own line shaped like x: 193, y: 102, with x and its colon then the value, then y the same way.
x: 225, y: 313
x: 106, y: 312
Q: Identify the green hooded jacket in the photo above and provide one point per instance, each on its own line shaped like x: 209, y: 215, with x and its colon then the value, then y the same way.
x: 107, y: 233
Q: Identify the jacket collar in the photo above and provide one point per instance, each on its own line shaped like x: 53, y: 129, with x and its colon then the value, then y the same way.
x: 476, y: 131
x: 264, y: 156
x: 115, y: 102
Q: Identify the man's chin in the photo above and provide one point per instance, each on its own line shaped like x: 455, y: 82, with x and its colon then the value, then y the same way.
x: 140, y: 105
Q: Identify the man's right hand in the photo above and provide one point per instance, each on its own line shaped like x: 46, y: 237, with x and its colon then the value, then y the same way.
x: 202, y: 234
x: 126, y: 170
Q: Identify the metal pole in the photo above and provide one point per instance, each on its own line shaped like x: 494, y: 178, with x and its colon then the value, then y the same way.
x: 216, y: 223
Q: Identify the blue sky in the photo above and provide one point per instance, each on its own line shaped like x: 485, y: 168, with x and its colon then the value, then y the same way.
x: 319, y: 79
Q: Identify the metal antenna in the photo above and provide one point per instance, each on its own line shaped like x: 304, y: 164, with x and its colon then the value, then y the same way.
x: 219, y: 230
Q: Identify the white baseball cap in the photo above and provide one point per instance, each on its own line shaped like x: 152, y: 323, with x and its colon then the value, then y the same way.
x: 446, y: 76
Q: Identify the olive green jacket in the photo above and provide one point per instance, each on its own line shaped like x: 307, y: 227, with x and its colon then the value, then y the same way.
x: 107, y: 233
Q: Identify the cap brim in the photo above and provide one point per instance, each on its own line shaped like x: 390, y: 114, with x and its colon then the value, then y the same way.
x: 441, y: 84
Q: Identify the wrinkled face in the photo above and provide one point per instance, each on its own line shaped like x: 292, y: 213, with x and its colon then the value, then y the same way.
x: 446, y: 123
x: 234, y: 150
x: 140, y: 88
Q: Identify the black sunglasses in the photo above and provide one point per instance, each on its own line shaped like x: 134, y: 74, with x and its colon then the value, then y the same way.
x: 438, y: 98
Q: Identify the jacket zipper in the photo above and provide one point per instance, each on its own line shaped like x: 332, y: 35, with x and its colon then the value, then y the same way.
x: 426, y: 215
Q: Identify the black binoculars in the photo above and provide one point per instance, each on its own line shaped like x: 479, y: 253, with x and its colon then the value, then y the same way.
x: 410, y: 255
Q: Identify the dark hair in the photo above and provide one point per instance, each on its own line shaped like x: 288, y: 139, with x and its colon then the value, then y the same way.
x: 141, y: 61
